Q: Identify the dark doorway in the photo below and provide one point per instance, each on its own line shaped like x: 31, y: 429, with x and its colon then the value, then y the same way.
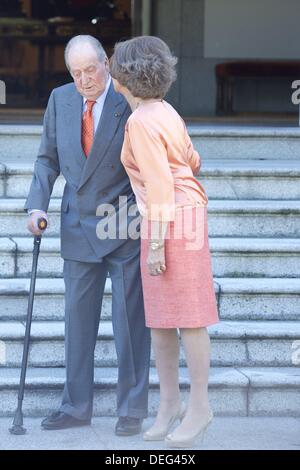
x: 33, y: 35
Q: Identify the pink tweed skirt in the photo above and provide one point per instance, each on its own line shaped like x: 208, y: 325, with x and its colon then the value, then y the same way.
x: 184, y: 295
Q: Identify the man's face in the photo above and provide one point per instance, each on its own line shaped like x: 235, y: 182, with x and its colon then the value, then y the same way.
x: 89, y: 74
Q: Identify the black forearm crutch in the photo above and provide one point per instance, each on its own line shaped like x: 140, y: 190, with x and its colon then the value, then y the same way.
x: 17, y: 427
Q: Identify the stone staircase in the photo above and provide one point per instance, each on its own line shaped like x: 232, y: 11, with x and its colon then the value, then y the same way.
x: 252, y: 177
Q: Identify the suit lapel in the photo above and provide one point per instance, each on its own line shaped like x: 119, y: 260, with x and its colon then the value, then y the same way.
x: 73, y: 118
x: 113, y: 110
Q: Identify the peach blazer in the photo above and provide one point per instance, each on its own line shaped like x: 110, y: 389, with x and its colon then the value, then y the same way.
x: 161, y: 162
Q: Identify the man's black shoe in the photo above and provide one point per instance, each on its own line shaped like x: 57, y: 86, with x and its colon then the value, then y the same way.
x: 59, y: 420
x: 127, y: 426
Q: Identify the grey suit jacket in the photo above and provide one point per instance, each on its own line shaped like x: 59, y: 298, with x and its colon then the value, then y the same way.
x: 98, y: 179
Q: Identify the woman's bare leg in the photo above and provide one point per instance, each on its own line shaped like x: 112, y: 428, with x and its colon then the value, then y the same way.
x: 196, y: 344
x: 165, y: 343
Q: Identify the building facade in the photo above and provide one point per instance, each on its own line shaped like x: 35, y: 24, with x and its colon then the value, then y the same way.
x: 203, y: 34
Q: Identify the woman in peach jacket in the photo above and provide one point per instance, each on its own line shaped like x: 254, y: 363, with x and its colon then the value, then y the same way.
x: 178, y: 289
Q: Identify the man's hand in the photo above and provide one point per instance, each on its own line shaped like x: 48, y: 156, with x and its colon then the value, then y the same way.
x: 32, y: 224
x: 156, y: 261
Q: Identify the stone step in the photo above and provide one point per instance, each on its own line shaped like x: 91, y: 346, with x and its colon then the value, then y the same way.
x: 244, y: 391
x: 237, y: 298
x: 251, y: 179
x: 222, y: 179
x: 239, y: 218
x: 13, y: 218
x: 231, y: 257
x: 256, y: 344
x: 247, y: 142
x: 19, y: 142
x: 16, y: 178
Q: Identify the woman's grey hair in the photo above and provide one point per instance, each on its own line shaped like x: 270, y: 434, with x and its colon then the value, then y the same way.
x: 144, y: 65
x: 85, y: 39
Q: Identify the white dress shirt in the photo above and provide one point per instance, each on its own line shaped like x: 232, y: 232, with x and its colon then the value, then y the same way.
x: 98, y: 106
x: 97, y: 111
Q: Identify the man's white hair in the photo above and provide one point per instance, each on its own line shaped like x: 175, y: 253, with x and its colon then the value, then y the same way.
x: 85, y: 39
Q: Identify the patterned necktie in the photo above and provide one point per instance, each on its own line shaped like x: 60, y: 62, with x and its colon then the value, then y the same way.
x: 87, y: 129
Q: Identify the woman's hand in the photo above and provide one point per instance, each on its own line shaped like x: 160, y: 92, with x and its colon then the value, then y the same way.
x: 156, y: 260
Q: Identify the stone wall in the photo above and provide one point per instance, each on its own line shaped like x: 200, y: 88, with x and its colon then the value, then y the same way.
x: 181, y: 24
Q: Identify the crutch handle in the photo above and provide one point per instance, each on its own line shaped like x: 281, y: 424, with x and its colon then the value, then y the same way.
x: 42, y: 223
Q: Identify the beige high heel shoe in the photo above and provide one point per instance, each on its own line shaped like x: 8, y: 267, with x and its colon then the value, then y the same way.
x: 159, y: 436
x: 190, y: 441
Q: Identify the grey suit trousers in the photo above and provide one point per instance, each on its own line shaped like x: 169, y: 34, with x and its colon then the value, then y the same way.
x: 84, y: 284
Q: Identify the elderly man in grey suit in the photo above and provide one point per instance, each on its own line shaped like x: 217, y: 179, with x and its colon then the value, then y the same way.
x: 82, y: 139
